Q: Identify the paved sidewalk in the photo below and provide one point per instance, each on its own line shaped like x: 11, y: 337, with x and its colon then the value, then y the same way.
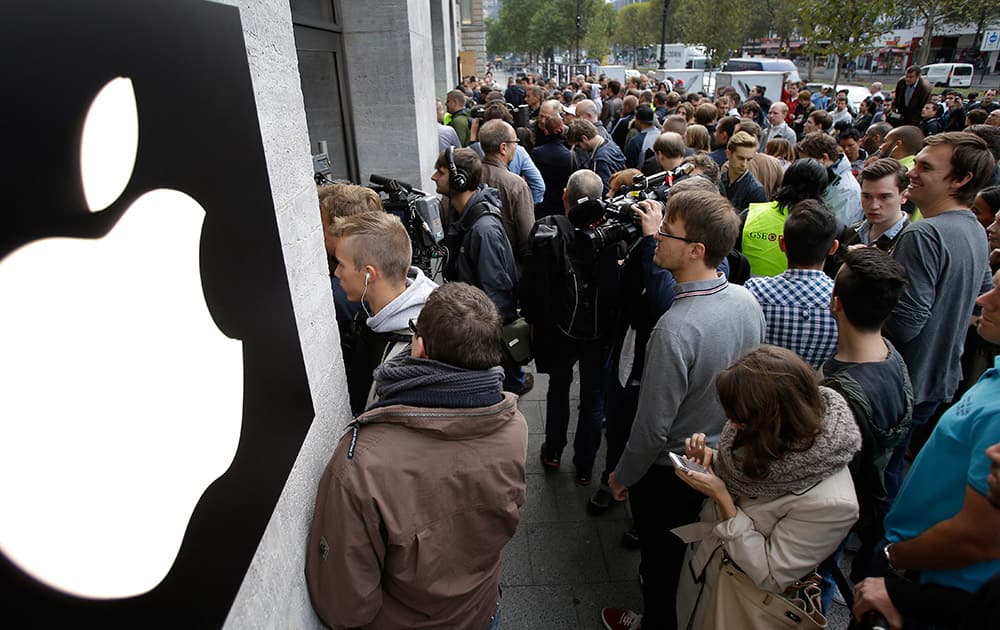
x: 563, y: 565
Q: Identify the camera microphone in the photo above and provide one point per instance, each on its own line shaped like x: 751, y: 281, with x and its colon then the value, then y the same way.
x: 389, y: 183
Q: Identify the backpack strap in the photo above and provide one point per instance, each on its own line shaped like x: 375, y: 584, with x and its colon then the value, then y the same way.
x: 478, y: 211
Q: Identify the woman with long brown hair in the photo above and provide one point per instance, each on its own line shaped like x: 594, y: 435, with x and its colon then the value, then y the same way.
x: 781, y: 494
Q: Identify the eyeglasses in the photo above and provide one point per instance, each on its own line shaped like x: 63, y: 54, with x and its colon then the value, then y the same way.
x: 514, y: 141
x: 673, y: 236
x: 413, y: 327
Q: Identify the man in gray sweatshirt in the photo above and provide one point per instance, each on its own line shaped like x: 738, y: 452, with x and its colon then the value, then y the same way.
x: 710, y: 325
x: 946, y: 258
x: 373, y: 265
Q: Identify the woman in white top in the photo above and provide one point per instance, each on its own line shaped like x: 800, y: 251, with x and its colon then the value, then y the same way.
x: 781, y: 495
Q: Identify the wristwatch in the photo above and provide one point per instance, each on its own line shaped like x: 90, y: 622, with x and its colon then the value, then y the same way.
x: 887, y: 552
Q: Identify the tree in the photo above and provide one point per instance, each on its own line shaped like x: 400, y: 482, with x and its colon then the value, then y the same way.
x: 846, y: 29
x: 534, y: 26
x: 600, y: 29
x: 935, y: 12
x: 635, y: 28
x: 720, y: 27
x: 779, y: 18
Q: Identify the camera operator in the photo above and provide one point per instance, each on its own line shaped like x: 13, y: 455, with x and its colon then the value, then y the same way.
x: 479, y: 252
x: 571, y: 299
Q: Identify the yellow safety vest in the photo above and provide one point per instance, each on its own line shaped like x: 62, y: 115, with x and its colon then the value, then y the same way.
x: 765, y: 223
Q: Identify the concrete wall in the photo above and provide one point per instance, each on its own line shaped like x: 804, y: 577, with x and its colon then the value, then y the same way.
x: 390, y: 68
x: 445, y: 53
x: 273, y: 595
x: 474, y: 36
x: 390, y: 64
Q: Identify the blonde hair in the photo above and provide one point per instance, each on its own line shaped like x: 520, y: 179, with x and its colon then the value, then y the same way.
x: 378, y: 239
x: 344, y: 200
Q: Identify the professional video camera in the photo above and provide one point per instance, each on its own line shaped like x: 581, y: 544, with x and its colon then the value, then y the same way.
x: 521, y: 113
x: 322, y: 169
x: 420, y: 214
x: 613, y: 221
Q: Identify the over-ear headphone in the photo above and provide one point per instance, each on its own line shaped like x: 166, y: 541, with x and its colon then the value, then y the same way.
x: 458, y: 178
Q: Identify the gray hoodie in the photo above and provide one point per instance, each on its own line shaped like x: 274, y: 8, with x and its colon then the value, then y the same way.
x: 396, y: 315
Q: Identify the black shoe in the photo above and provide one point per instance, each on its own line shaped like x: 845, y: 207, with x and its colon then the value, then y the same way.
x: 600, y: 502
x: 529, y: 384
x: 549, y: 461
x: 630, y: 539
x: 583, y: 478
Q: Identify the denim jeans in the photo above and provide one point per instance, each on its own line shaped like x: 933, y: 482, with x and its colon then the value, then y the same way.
x: 594, y: 358
x: 619, y: 414
x: 495, y: 621
x: 894, y: 472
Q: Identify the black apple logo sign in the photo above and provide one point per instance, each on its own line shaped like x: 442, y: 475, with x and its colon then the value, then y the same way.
x: 153, y: 394
x: 150, y: 281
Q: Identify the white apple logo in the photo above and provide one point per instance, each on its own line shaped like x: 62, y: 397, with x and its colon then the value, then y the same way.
x: 120, y: 399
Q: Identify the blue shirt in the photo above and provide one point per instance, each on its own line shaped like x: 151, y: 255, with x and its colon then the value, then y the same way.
x: 953, y: 458
x: 796, y: 307
x: 523, y: 165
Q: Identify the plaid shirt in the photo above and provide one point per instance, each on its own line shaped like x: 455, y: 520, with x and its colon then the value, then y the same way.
x: 796, y: 306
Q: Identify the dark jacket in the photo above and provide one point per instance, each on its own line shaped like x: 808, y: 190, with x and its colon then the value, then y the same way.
x: 911, y: 112
x: 514, y: 95
x: 556, y: 163
x: 619, y: 131
x: 881, y: 399
x: 931, y: 126
x: 744, y: 191
x: 605, y: 161
x: 480, y: 254
x: 850, y: 236
x: 955, y: 120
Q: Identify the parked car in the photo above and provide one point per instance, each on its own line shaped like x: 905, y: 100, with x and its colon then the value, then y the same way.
x: 948, y: 74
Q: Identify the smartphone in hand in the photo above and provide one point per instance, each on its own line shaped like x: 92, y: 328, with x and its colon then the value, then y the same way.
x: 687, y: 464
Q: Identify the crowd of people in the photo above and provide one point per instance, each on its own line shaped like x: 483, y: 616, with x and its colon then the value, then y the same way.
x: 785, y: 318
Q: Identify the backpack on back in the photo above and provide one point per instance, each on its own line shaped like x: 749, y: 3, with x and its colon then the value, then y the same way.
x: 564, y: 289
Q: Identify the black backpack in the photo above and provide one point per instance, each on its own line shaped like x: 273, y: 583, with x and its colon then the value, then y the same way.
x: 564, y: 289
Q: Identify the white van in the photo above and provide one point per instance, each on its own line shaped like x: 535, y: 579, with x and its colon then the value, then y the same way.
x: 948, y: 74
x: 765, y: 64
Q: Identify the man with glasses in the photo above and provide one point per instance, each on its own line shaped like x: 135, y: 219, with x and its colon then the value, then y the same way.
x: 499, y: 142
x: 710, y: 324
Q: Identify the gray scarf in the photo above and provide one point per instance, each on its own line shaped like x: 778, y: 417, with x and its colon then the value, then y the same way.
x: 404, y: 380
x: 795, y: 471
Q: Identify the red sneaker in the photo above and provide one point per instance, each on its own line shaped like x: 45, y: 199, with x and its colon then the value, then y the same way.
x: 618, y: 619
